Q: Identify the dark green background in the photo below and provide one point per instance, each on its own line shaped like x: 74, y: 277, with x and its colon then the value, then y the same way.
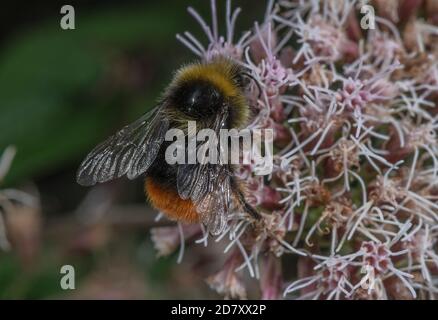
x: 61, y: 92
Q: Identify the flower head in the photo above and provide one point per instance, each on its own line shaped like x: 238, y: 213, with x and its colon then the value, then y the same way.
x: 353, y: 193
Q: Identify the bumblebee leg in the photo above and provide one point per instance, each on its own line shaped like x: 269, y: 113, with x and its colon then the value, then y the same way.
x: 247, y: 207
x: 253, y: 212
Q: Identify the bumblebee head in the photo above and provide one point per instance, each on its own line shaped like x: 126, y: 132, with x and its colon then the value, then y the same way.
x: 203, y: 91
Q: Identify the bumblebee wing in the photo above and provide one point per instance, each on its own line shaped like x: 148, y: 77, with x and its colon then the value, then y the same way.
x: 129, y: 152
x: 193, y: 179
x: 213, y: 208
x: 189, y: 177
x: 209, y: 187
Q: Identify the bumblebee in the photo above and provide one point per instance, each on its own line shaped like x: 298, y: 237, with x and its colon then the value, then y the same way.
x: 210, y: 93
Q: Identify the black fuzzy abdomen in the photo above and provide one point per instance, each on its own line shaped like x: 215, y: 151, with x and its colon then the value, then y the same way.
x: 162, y: 172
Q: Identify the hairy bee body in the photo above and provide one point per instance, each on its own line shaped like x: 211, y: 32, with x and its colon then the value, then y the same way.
x: 210, y: 93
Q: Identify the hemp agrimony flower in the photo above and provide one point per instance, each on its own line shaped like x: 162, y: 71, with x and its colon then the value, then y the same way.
x: 353, y: 194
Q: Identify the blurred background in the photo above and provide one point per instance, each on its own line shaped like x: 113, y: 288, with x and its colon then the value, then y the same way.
x: 62, y: 92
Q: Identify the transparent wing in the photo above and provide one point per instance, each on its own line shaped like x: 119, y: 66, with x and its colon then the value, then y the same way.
x: 191, y: 182
x: 208, y: 185
x: 213, y: 208
x: 129, y: 152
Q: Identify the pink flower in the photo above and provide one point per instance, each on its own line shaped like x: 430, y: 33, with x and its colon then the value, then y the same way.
x: 226, y: 281
x: 353, y: 194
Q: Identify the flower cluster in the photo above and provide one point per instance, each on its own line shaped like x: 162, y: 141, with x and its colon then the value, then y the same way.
x: 353, y: 196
